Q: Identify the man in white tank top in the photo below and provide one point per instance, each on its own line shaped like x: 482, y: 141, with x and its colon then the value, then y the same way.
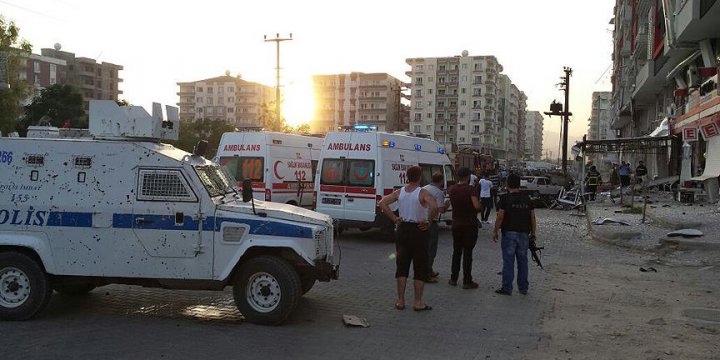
x: 416, y: 209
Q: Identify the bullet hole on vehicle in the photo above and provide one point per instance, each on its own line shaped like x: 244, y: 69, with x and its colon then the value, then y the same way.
x: 65, y: 163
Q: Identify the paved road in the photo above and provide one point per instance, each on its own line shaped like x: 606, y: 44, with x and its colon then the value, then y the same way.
x: 134, y: 322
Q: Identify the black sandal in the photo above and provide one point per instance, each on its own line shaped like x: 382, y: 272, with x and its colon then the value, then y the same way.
x: 426, y: 308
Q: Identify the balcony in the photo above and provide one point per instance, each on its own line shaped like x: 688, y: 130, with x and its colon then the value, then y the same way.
x: 490, y: 95
x: 691, y: 24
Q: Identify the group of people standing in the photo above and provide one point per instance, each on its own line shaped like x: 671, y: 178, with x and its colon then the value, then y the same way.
x: 619, y: 175
x: 417, y: 230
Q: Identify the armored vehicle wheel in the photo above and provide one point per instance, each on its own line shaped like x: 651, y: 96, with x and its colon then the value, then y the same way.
x: 267, y: 290
x: 24, y: 287
x: 306, y: 282
x: 73, y: 289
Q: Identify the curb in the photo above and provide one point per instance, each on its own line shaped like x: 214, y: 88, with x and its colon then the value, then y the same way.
x: 689, y: 244
x: 672, y: 224
x: 616, y: 240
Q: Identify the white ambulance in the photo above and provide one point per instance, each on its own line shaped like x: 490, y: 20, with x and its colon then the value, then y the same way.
x: 357, y: 169
x: 124, y: 208
x: 280, y: 166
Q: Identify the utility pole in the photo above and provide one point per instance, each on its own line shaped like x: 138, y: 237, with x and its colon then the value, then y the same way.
x: 277, y: 40
x: 557, y: 109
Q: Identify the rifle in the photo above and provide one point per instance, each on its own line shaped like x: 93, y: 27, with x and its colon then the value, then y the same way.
x: 535, y: 251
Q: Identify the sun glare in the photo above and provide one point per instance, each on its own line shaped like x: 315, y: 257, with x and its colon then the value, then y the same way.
x: 299, y: 105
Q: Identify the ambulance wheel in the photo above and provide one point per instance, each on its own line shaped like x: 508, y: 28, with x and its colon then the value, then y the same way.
x: 73, y: 289
x: 24, y: 287
x: 267, y: 290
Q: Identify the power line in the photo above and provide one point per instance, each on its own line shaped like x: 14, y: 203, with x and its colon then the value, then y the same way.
x: 29, y: 10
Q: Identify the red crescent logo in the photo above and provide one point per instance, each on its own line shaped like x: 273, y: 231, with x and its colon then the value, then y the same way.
x: 275, y: 168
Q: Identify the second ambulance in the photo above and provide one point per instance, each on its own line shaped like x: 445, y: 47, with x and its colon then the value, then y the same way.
x: 356, y: 169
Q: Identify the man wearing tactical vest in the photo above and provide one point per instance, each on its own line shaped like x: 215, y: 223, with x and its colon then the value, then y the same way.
x: 592, y: 180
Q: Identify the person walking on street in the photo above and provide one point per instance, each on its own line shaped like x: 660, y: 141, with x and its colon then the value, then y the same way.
x: 640, y: 172
x: 436, y: 190
x: 465, y: 204
x: 417, y: 209
x: 592, y: 180
x: 485, y: 197
x: 516, y: 220
x: 614, y: 176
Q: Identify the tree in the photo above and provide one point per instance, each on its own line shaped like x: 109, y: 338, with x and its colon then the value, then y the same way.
x: 193, y: 131
x: 61, y: 103
x: 270, y: 120
x: 12, y: 50
x: 302, y: 129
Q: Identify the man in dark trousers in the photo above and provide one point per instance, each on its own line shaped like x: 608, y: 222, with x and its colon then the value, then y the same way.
x: 592, y: 180
x: 417, y: 209
x: 465, y: 206
x: 516, y: 219
x: 640, y: 172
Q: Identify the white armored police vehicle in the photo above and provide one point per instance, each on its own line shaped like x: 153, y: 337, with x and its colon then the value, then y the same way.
x: 124, y: 208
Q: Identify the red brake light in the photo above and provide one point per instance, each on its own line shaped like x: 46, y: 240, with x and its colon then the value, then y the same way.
x: 268, y: 195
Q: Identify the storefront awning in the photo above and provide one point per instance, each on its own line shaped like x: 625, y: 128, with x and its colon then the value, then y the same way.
x: 712, y: 160
x: 640, y: 145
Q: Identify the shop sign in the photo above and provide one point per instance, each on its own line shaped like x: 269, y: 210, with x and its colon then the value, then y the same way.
x: 690, y: 134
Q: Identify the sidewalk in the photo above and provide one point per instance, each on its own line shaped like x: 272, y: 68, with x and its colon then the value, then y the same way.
x: 663, y: 215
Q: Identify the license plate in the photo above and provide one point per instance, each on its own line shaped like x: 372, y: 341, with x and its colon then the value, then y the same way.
x: 331, y: 201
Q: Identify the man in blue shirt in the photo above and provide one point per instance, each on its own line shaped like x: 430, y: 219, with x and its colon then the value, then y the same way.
x: 624, y: 173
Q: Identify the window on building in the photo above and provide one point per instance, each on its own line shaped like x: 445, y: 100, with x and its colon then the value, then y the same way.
x: 478, y: 66
x: 431, y: 67
x: 462, y: 127
x: 418, y: 92
x: 230, y: 89
x: 463, y: 102
x: 440, y: 116
x: 430, y: 103
x: 431, y: 79
x: 429, y: 115
x: 220, y: 101
x: 418, y: 80
x: 441, y: 68
x: 476, y: 141
x: 209, y: 90
x: 462, y: 115
x: 209, y: 101
x: 441, y: 104
x: 199, y: 89
x: 230, y: 110
x: 36, y: 66
x: 418, y: 68
x: 230, y: 99
x: 477, y: 80
x: 430, y: 91
x: 476, y: 129
x: 428, y: 128
x: 417, y: 128
x: 199, y: 99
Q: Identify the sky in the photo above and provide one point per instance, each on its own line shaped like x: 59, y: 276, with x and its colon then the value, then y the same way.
x: 160, y: 43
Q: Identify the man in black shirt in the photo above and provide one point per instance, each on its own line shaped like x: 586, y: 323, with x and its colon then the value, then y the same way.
x: 640, y: 172
x: 516, y: 219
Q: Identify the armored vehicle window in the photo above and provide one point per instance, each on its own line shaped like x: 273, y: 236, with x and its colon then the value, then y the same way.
x: 35, y: 160
x: 164, y: 185
x: 215, y: 180
x: 83, y: 162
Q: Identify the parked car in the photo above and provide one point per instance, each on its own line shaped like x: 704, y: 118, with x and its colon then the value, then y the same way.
x: 539, y: 186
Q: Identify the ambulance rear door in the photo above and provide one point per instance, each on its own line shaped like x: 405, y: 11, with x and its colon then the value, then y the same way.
x: 360, y: 165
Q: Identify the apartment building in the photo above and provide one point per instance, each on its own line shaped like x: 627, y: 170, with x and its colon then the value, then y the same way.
x: 357, y: 98
x: 534, y: 127
x: 42, y: 71
x: 96, y: 81
x: 463, y: 101
x: 665, y: 64
x: 229, y: 98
